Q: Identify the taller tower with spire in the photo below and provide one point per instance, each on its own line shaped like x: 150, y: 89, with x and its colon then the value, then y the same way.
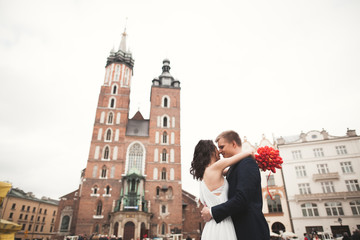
x: 131, y: 186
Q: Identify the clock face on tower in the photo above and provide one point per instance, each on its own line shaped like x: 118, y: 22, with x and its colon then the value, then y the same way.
x: 166, y: 81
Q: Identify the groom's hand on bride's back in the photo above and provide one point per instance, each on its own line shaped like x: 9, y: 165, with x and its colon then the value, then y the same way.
x: 205, y: 214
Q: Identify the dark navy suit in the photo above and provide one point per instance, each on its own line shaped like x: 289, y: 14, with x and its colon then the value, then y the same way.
x: 245, y: 202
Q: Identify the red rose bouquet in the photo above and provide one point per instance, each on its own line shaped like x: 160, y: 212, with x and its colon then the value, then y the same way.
x: 268, y: 158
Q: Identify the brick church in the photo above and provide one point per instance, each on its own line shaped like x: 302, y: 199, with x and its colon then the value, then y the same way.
x: 131, y: 186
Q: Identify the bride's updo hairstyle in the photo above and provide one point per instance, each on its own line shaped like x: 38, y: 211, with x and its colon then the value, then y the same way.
x: 202, y: 155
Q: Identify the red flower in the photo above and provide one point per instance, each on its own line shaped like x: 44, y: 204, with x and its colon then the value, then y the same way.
x: 268, y: 158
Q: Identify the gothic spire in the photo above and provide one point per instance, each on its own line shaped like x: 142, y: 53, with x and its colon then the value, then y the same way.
x: 122, y: 46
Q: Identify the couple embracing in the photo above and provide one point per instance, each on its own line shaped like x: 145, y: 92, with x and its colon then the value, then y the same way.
x: 233, y: 205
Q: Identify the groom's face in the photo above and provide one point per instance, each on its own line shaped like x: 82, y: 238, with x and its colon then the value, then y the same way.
x: 225, y: 148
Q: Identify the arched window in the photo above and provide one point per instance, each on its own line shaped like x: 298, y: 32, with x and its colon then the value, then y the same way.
x: 135, y: 158
x: 99, y: 208
x: 155, y: 174
x: 163, y: 229
x: 110, y: 118
x: 165, y: 102
x: 170, y: 192
x: 309, y: 209
x: 334, y: 208
x: 164, y: 154
x: 95, y: 171
x: 355, y: 207
x: 107, y: 190
x: 114, y: 90
x: 95, y: 189
x: 164, y: 138
x: 157, y: 191
x: 106, y: 152
x: 163, y: 174
x: 65, y: 223
x: 274, y: 205
x: 103, y: 172
x: 97, y: 228
x: 112, y: 103
x: 165, y: 122
x: 126, y: 82
x: 172, y: 174
x: 163, y: 209
x: 108, y: 135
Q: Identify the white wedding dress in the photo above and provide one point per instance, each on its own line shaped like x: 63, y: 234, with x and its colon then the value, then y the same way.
x: 225, y: 228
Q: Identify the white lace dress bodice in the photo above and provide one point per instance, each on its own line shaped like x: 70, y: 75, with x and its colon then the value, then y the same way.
x: 212, y: 230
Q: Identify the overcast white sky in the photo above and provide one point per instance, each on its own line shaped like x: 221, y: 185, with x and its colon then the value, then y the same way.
x: 259, y: 67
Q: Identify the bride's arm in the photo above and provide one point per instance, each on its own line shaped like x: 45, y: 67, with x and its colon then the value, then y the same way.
x: 226, y: 162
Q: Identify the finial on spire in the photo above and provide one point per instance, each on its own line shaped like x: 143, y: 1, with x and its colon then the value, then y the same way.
x: 122, y: 46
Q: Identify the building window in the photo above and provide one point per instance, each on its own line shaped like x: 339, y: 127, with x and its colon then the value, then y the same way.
x: 165, y: 102
x: 346, y: 167
x: 51, y: 228
x: 106, y: 152
x: 165, y: 122
x: 99, y: 208
x: 309, y: 210
x: 65, y: 223
x: 164, y: 154
x: 45, y: 212
x: 155, y: 174
x: 341, y: 150
x: 34, y: 209
x: 94, y: 173
x: 43, y: 219
x: 163, y: 174
x: 164, y: 138
x: 172, y: 174
x: 271, y: 180
x: 304, y: 188
x: 355, y: 207
x: 95, y: 190
x: 300, y: 171
x: 54, y: 213
x: 36, y: 227
x: 23, y: 208
x: 21, y: 215
x: 40, y: 211
x: 112, y: 103
x: 38, y: 219
x: 110, y: 118
x: 13, y: 206
x: 296, y: 154
x: 274, y: 205
x: 32, y: 218
x: 157, y: 191
x: 327, y: 187
x: 352, y: 185
x: 318, y: 152
x: 114, y: 90
x: 26, y: 216
x: 103, y: 172
x: 135, y: 158
x: 163, y: 229
x: 42, y: 228
x: 322, y: 168
x: 11, y: 215
x: 28, y: 209
x: 29, y: 228
x: 334, y: 209
x: 163, y: 209
x: 107, y: 190
x: 108, y: 135
x: 126, y: 82
x: 23, y: 226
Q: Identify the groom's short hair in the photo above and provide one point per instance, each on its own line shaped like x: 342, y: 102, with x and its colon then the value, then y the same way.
x: 229, y: 136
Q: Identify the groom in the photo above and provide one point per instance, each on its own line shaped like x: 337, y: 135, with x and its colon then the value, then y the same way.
x: 245, y: 196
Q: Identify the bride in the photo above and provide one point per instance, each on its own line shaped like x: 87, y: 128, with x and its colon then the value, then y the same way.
x: 209, y: 168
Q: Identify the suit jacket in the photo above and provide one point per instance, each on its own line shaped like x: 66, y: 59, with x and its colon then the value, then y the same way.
x: 245, y: 202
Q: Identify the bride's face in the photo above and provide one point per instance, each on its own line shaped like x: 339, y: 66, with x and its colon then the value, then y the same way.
x: 217, y: 154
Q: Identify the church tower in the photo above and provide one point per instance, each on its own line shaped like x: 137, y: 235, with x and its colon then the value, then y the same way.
x: 131, y: 186
x: 100, y: 185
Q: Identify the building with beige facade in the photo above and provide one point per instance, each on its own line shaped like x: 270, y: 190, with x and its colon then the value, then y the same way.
x: 322, y: 174
x: 36, y: 216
